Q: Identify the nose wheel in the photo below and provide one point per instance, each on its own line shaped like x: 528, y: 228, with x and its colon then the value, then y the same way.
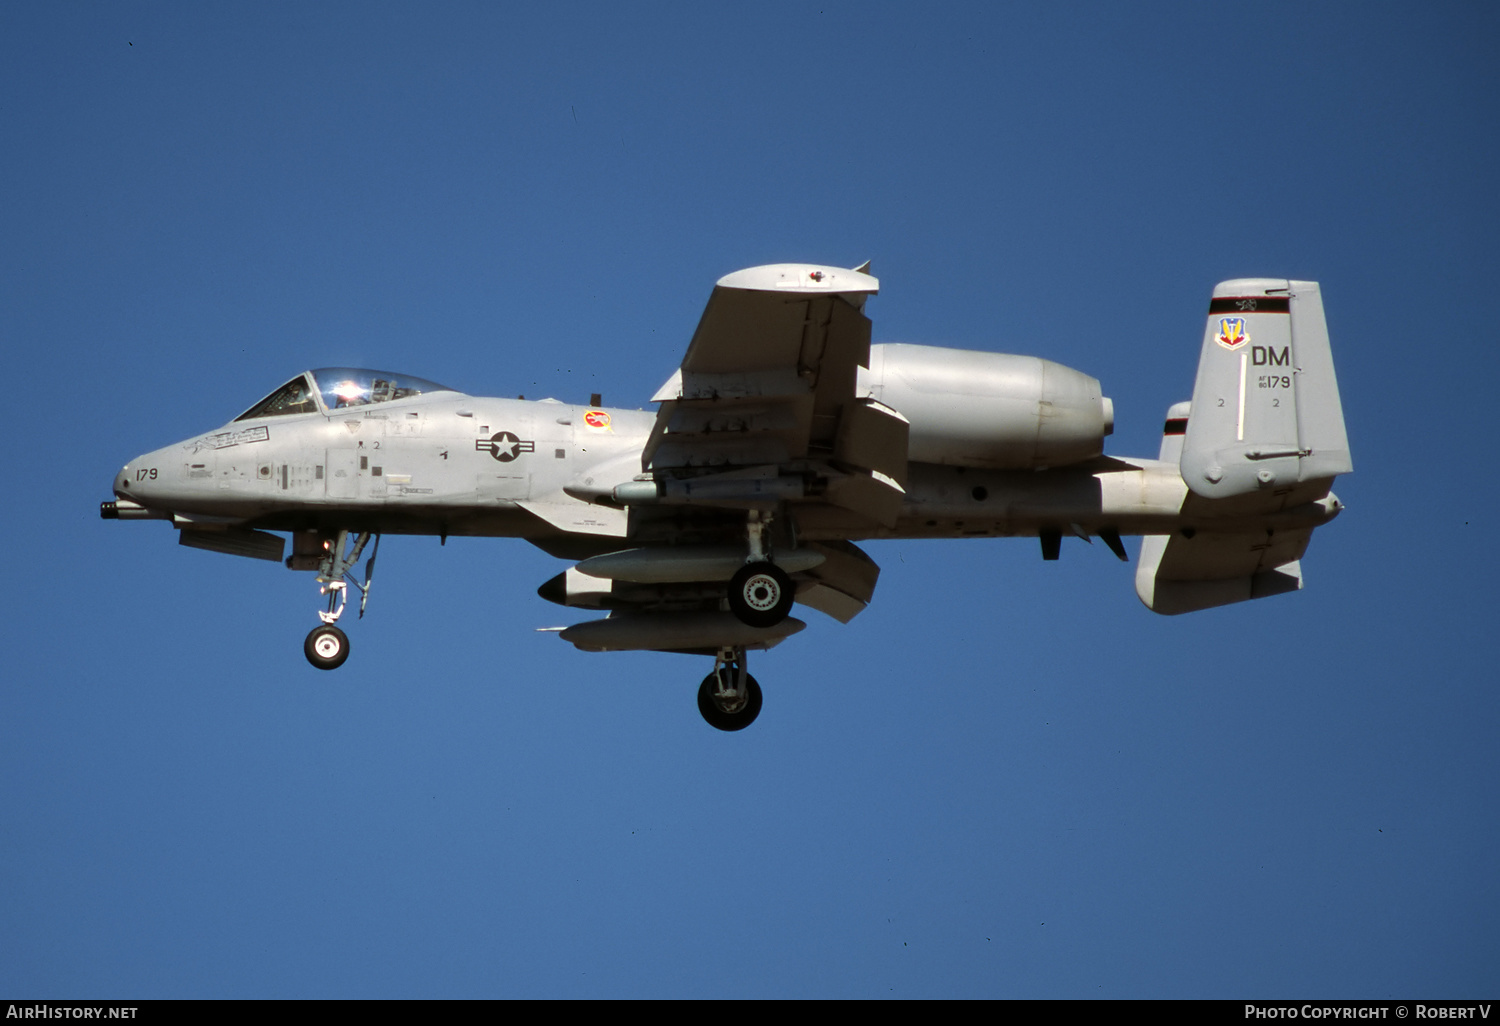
x: 729, y: 698
x: 326, y: 647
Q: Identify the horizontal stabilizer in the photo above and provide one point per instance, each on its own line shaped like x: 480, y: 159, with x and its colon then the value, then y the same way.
x: 1178, y: 574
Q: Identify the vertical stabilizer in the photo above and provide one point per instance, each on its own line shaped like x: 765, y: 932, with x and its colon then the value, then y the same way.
x: 1173, y: 431
x: 1265, y: 411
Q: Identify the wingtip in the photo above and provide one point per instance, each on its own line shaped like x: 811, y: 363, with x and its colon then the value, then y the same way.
x: 863, y: 268
x: 801, y: 278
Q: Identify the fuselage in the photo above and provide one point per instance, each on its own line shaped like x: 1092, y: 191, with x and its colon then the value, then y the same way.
x: 446, y: 463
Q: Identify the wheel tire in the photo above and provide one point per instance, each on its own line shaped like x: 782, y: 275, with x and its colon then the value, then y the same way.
x: 761, y: 594
x: 709, y: 706
x: 326, y: 647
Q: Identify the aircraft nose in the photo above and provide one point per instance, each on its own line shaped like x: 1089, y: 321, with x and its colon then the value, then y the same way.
x: 145, y: 479
x: 133, y: 480
x: 132, y: 492
x: 121, y: 484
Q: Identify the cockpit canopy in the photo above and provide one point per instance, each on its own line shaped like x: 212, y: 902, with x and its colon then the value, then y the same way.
x: 328, y: 389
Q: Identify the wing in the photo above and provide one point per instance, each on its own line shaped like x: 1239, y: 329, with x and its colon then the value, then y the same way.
x: 759, y: 426
x: 760, y: 448
x: 765, y: 394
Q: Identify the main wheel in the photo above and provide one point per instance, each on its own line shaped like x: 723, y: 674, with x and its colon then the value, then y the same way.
x: 761, y: 594
x: 327, y: 647
x: 726, y: 715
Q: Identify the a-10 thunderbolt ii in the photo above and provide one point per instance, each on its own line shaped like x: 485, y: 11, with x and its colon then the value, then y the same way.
x: 784, y: 438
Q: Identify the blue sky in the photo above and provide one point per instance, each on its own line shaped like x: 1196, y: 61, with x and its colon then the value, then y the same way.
x: 1006, y: 778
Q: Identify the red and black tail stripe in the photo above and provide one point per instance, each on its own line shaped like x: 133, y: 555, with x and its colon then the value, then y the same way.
x: 1249, y: 304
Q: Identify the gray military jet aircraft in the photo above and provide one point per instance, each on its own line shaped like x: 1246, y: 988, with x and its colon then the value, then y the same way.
x: 784, y: 437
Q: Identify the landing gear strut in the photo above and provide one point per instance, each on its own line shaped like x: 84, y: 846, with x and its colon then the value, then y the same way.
x: 327, y: 647
x: 729, y: 698
x: 760, y: 593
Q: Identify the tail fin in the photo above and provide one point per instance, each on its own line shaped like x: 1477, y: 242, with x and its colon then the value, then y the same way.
x: 1266, y: 429
x: 1266, y: 413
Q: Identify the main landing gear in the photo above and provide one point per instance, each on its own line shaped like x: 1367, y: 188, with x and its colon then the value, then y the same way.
x: 729, y: 698
x: 760, y: 593
x: 327, y: 647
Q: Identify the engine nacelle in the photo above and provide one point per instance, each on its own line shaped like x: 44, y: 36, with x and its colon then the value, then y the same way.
x: 994, y: 410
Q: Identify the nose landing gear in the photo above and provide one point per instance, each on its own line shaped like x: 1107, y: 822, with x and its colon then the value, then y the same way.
x: 729, y: 698
x: 326, y: 646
